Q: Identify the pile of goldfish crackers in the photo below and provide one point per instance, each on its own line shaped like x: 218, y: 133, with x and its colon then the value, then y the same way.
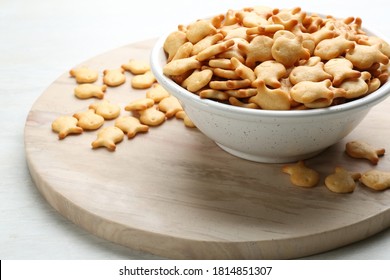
x: 272, y: 59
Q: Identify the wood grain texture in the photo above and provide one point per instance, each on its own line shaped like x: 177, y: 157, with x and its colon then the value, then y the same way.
x: 174, y: 193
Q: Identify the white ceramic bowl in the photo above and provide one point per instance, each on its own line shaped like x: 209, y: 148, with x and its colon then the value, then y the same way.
x: 268, y: 135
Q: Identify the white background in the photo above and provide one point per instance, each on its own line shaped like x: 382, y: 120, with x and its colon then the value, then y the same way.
x: 40, y: 40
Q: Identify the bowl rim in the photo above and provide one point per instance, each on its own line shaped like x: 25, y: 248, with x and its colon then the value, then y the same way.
x: 367, y: 101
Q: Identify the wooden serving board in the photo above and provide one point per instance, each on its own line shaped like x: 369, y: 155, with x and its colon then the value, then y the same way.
x: 174, y: 193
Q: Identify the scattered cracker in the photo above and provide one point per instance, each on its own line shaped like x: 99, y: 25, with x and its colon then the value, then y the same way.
x: 84, y: 74
x: 106, y: 109
x: 301, y: 175
x: 341, y: 181
x: 85, y: 91
x: 136, y: 66
x: 139, y: 104
x: 108, y: 137
x: 65, y: 125
x: 143, y: 81
x: 114, y: 77
x: 157, y: 93
x: 89, y: 120
x: 376, y: 180
x: 131, y: 126
x: 360, y: 149
x: 151, y: 116
x: 170, y: 106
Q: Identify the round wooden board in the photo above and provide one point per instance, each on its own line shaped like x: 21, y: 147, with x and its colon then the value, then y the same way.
x: 174, y: 193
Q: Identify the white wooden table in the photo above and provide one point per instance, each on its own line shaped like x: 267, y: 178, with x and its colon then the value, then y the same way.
x: 39, y: 41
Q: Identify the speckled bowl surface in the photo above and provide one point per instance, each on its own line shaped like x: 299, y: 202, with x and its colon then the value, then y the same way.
x: 268, y: 135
